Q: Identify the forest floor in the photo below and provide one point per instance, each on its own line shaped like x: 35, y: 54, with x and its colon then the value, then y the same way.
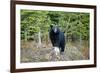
x: 29, y: 53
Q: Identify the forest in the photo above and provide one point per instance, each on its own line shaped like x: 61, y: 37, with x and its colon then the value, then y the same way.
x: 35, y: 26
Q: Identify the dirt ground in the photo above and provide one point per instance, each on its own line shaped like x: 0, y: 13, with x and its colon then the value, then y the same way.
x: 31, y: 53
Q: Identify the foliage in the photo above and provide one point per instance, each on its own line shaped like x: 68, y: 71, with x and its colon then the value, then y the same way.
x: 73, y: 24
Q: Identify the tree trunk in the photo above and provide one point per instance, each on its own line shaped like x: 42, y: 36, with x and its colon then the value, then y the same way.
x: 39, y: 39
x: 25, y: 34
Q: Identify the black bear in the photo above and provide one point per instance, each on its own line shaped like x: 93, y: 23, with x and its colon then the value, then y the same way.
x: 57, y: 39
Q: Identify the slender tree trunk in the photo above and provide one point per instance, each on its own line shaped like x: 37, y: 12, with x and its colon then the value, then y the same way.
x: 25, y: 34
x: 39, y: 38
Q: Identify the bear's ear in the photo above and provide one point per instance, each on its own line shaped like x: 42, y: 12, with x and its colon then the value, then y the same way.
x: 51, y: 25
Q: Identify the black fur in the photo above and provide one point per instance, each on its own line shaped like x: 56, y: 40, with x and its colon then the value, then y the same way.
x: 57, y: 38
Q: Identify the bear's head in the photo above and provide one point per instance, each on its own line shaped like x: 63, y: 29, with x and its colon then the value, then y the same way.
x: 54, y: 29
